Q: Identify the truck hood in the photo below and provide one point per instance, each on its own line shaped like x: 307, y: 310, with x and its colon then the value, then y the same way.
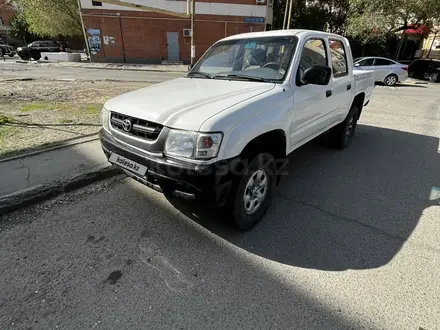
x: 185, y: 103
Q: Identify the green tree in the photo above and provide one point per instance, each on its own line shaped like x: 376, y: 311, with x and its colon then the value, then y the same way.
x: 51, y: 17
x: 379, y: 19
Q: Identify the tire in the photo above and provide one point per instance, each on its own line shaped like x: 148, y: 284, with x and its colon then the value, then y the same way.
x: 433, y: 77
x: 391, y: 80
x: 254, y: 193
x: 342, y: 134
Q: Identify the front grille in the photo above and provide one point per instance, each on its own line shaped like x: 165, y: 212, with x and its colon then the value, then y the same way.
x: 135, y: 127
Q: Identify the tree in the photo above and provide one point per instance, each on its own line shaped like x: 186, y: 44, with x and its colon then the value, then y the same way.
x: 378, y: 19
x: 49, y: 18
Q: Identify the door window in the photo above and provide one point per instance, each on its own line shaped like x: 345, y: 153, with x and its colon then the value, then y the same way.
x: 339, y: 58
x: 366, y: 62
x: 382, y: 62
x: 313, y: 53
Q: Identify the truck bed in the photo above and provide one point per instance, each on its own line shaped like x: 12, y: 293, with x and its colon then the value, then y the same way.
x: 364, y: 81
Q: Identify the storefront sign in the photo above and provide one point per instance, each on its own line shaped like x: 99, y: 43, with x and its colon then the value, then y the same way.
x: 254, y: 19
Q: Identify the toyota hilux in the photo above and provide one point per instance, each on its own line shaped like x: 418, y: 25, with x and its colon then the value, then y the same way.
x: 220, y: 135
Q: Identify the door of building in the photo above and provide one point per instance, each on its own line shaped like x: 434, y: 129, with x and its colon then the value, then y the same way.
x: 173, y: 46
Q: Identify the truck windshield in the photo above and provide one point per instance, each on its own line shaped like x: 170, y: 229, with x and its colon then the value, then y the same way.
x: 254, y: 59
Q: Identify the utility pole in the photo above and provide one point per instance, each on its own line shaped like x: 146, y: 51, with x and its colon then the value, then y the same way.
x: 285, y: 14
x: 290, y: 14
x: 86, y: 40
x: 193, y: 47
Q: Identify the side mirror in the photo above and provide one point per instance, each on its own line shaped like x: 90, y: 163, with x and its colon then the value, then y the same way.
x: 357, y: 64
x: 190, y: 67
x: 317, y: 75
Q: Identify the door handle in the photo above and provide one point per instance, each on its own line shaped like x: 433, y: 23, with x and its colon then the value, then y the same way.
x: 328, y: 93
x: 348, y: 87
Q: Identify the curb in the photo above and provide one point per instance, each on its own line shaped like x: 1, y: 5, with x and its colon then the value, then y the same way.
x: 55, y: 147
x: 17, y: 79
x: 38, y: 193
x: 123, y: 69
x: 103, y: 68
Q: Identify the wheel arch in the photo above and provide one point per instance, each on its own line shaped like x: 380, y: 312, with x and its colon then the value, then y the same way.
x: 359, y: 102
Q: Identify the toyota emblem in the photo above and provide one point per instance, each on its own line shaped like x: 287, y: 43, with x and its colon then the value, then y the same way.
x: 126, y: 125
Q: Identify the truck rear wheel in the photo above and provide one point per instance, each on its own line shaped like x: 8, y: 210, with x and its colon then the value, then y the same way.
x: 342, y: 134
x: 254, y: 192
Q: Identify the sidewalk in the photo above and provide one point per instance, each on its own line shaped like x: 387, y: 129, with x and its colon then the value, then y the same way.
x: 23, y: 180
x: 112, y: 66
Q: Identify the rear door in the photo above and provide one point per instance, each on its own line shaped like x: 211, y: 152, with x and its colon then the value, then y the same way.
x: 382, y: 68
x: 342, y: 80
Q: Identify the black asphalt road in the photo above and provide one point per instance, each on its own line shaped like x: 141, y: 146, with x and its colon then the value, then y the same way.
x: 351, y: 242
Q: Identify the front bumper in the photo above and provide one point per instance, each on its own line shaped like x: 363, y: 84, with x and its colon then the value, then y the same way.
x: 206, y: 184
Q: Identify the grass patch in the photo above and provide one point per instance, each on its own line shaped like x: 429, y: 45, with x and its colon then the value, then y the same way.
x: 65, y: 121
x: 40, y: 106
x: 5, y: 119
x: 94, y: 108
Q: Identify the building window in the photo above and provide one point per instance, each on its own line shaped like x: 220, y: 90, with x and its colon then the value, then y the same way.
x: 96, y: 3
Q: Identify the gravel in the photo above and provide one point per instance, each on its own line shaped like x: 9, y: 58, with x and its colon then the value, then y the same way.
x: 46, y: 113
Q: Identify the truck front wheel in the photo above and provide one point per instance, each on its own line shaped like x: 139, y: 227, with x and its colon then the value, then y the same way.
x: 342, y: 134
x: 254, y: 192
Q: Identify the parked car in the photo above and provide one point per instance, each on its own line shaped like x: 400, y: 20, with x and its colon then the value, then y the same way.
x: 65, y: 46
x: 6, y: 49
x: 221, y: 134
x: 426, y: 69
x: 385, y: 70
x: 34, y: 49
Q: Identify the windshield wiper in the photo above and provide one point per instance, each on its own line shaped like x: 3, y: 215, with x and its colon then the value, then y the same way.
x: 241, y: 76
x: 197, y: 73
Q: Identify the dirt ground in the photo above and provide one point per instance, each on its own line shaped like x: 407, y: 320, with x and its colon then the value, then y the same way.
x: 42, y: 113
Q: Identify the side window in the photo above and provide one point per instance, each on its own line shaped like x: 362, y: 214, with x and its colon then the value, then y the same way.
x: 35, y: 44
x: 313, y: 53
x: 339, y: 58
x: 381, y: 62
x: 366, y: 62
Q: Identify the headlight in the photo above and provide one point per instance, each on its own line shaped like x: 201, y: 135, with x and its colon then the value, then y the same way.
x: 105, y: 119
x: 19, y: 49
x: 193, y: 145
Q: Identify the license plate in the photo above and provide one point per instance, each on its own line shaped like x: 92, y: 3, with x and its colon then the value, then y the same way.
x: 128, y: 164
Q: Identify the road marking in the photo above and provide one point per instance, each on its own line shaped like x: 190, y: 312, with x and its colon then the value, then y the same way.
x: 173, y: 278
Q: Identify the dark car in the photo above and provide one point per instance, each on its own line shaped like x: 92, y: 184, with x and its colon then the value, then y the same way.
x: 65, y: 46
x: 34, y: 49
x: 6, y: 49
x: 425, y: 69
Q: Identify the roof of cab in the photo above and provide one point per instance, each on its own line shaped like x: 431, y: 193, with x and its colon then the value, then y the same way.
x: 279, y: 33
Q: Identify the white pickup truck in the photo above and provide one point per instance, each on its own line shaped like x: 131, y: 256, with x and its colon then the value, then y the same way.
x: 221, y: 134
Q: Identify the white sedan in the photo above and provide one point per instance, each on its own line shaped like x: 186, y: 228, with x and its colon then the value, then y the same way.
x: 385, y: 70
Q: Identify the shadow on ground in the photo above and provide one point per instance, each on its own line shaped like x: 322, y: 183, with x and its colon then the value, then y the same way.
x: 123, y: 257
x: 338, y: 210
